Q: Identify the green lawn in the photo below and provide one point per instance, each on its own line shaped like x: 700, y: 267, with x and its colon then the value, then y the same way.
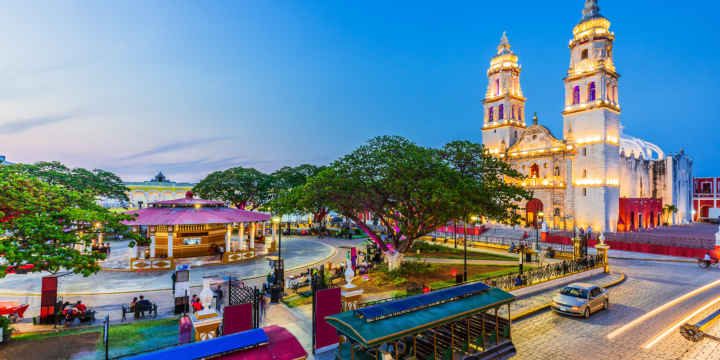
x: 492, y: 274
x: 444, y: 252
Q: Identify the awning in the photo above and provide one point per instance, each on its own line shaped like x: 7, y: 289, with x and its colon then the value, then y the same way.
x: 380, y: 331
x: 269, y: 343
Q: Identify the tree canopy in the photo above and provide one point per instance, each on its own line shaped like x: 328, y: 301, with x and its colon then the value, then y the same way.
x: 290, y: 185
x: 98, y: 182
x: 413, y: 190
x: 242, y: 187
x: 51, y: 226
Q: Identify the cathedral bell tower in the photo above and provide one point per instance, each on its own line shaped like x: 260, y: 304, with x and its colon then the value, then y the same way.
x: 504, y: 102
x: 591, y: 120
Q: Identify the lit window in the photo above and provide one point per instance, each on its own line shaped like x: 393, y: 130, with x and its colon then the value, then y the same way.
x: 591, y: 92
x: 556, y: 171
x: 585, y: 54
x: 501, y: 112
x: 491, y: 114
x: 576, y: 95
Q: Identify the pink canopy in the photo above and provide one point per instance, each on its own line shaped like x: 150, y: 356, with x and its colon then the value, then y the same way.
x: 282, y: 345
x: 192, y: 216
x: 190, y: 211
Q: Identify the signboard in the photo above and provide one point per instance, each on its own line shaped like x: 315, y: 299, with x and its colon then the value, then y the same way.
x: 327, y: 302
x: 237, y: 318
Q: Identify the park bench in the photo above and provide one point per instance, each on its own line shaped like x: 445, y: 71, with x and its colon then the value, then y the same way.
x: 139, y: 311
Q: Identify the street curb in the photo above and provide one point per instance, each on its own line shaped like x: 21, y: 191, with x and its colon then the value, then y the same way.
x: 651, y: 259
x: 546, y: 306
x: 333, y: 253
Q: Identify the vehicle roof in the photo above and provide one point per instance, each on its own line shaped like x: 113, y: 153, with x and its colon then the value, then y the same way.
x: 585, y: 286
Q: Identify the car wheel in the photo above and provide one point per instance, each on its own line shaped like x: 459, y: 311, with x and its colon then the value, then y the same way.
x: 606, y: 305
x: 587, y: 312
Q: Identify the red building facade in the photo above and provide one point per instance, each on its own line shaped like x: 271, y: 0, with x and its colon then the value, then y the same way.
x: 706, y: 198
x: 639, y: 213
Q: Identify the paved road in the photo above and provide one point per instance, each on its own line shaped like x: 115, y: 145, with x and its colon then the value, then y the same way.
x: 649, y: 285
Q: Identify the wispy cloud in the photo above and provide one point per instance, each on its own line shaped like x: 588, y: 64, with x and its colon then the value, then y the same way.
x: 20, y: 125
x: 174, y: 147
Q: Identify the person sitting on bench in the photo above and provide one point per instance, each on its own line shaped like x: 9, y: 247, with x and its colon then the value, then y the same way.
x: 142, y: 306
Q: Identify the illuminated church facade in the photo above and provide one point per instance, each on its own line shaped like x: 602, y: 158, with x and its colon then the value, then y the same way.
x: 595, y: 175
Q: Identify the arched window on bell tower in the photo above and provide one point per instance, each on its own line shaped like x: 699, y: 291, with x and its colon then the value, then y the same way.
x: 497, y: 87
x: 576, y: 95
x: 591, y: 92
x: 512, y: 113
x: 491, y: 115
x: 501, y: 112
x: 520, y: 112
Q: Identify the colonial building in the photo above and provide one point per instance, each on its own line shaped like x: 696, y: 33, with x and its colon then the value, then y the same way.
x: 158, y: 188
x: 595, y: 175
x: 706, y: 201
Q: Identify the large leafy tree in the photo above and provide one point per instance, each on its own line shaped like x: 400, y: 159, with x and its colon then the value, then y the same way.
x: 242, y: 187
x: 51, y: 226
x: 98, y: 182
x: 490, y: 190
x: 413, y: 190
x: 289, y: 187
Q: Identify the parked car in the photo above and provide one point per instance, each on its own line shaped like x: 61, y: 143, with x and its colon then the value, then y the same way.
x: 581, y: 299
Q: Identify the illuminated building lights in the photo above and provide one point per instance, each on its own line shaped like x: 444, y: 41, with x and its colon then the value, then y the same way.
x: 596, y: 182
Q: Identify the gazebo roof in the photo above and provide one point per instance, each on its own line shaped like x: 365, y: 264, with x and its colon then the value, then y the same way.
x: 190, y: 211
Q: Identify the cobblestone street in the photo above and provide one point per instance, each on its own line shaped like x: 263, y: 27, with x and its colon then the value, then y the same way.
x: 648, y: 285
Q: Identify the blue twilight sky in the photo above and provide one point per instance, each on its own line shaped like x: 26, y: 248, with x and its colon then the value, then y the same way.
x: 188, y: 87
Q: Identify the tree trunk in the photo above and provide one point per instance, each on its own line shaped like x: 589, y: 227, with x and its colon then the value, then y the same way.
x: 393, y: 260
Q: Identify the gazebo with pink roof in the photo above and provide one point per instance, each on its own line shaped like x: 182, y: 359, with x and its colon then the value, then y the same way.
x: 192, y: 227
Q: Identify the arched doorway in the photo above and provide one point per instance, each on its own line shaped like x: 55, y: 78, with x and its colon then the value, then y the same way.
x: 532, y: 209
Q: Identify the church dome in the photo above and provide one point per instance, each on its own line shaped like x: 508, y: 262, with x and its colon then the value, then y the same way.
x: 632, y: 146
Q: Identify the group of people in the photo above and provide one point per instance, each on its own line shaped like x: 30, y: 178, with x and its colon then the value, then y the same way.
x: 73, y: 311
x: 139, y: 307
x: 196, y: 304
x: 104, y: 248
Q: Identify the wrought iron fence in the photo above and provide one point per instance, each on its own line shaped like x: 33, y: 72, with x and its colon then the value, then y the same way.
x: 545, y: 273
x: 240, y: 293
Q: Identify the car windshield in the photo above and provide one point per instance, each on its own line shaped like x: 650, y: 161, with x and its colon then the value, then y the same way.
x: 574, y: 292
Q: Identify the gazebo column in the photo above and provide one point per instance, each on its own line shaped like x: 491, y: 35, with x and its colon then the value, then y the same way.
x: 170, y: 242
x: 228, y: 236
x: 252, y: 236
x: 241, y: 236
x: 152, y: 246
x: 100, y: 238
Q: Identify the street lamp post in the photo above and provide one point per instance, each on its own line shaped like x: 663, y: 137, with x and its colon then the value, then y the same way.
x: 280, y: 267
x: 465, y: 277
x: 537, y: 231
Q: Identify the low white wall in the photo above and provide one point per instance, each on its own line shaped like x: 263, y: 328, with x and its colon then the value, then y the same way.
x: 557, y: 282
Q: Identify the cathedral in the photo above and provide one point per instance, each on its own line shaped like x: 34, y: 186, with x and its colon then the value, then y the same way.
x: 595, y: 175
